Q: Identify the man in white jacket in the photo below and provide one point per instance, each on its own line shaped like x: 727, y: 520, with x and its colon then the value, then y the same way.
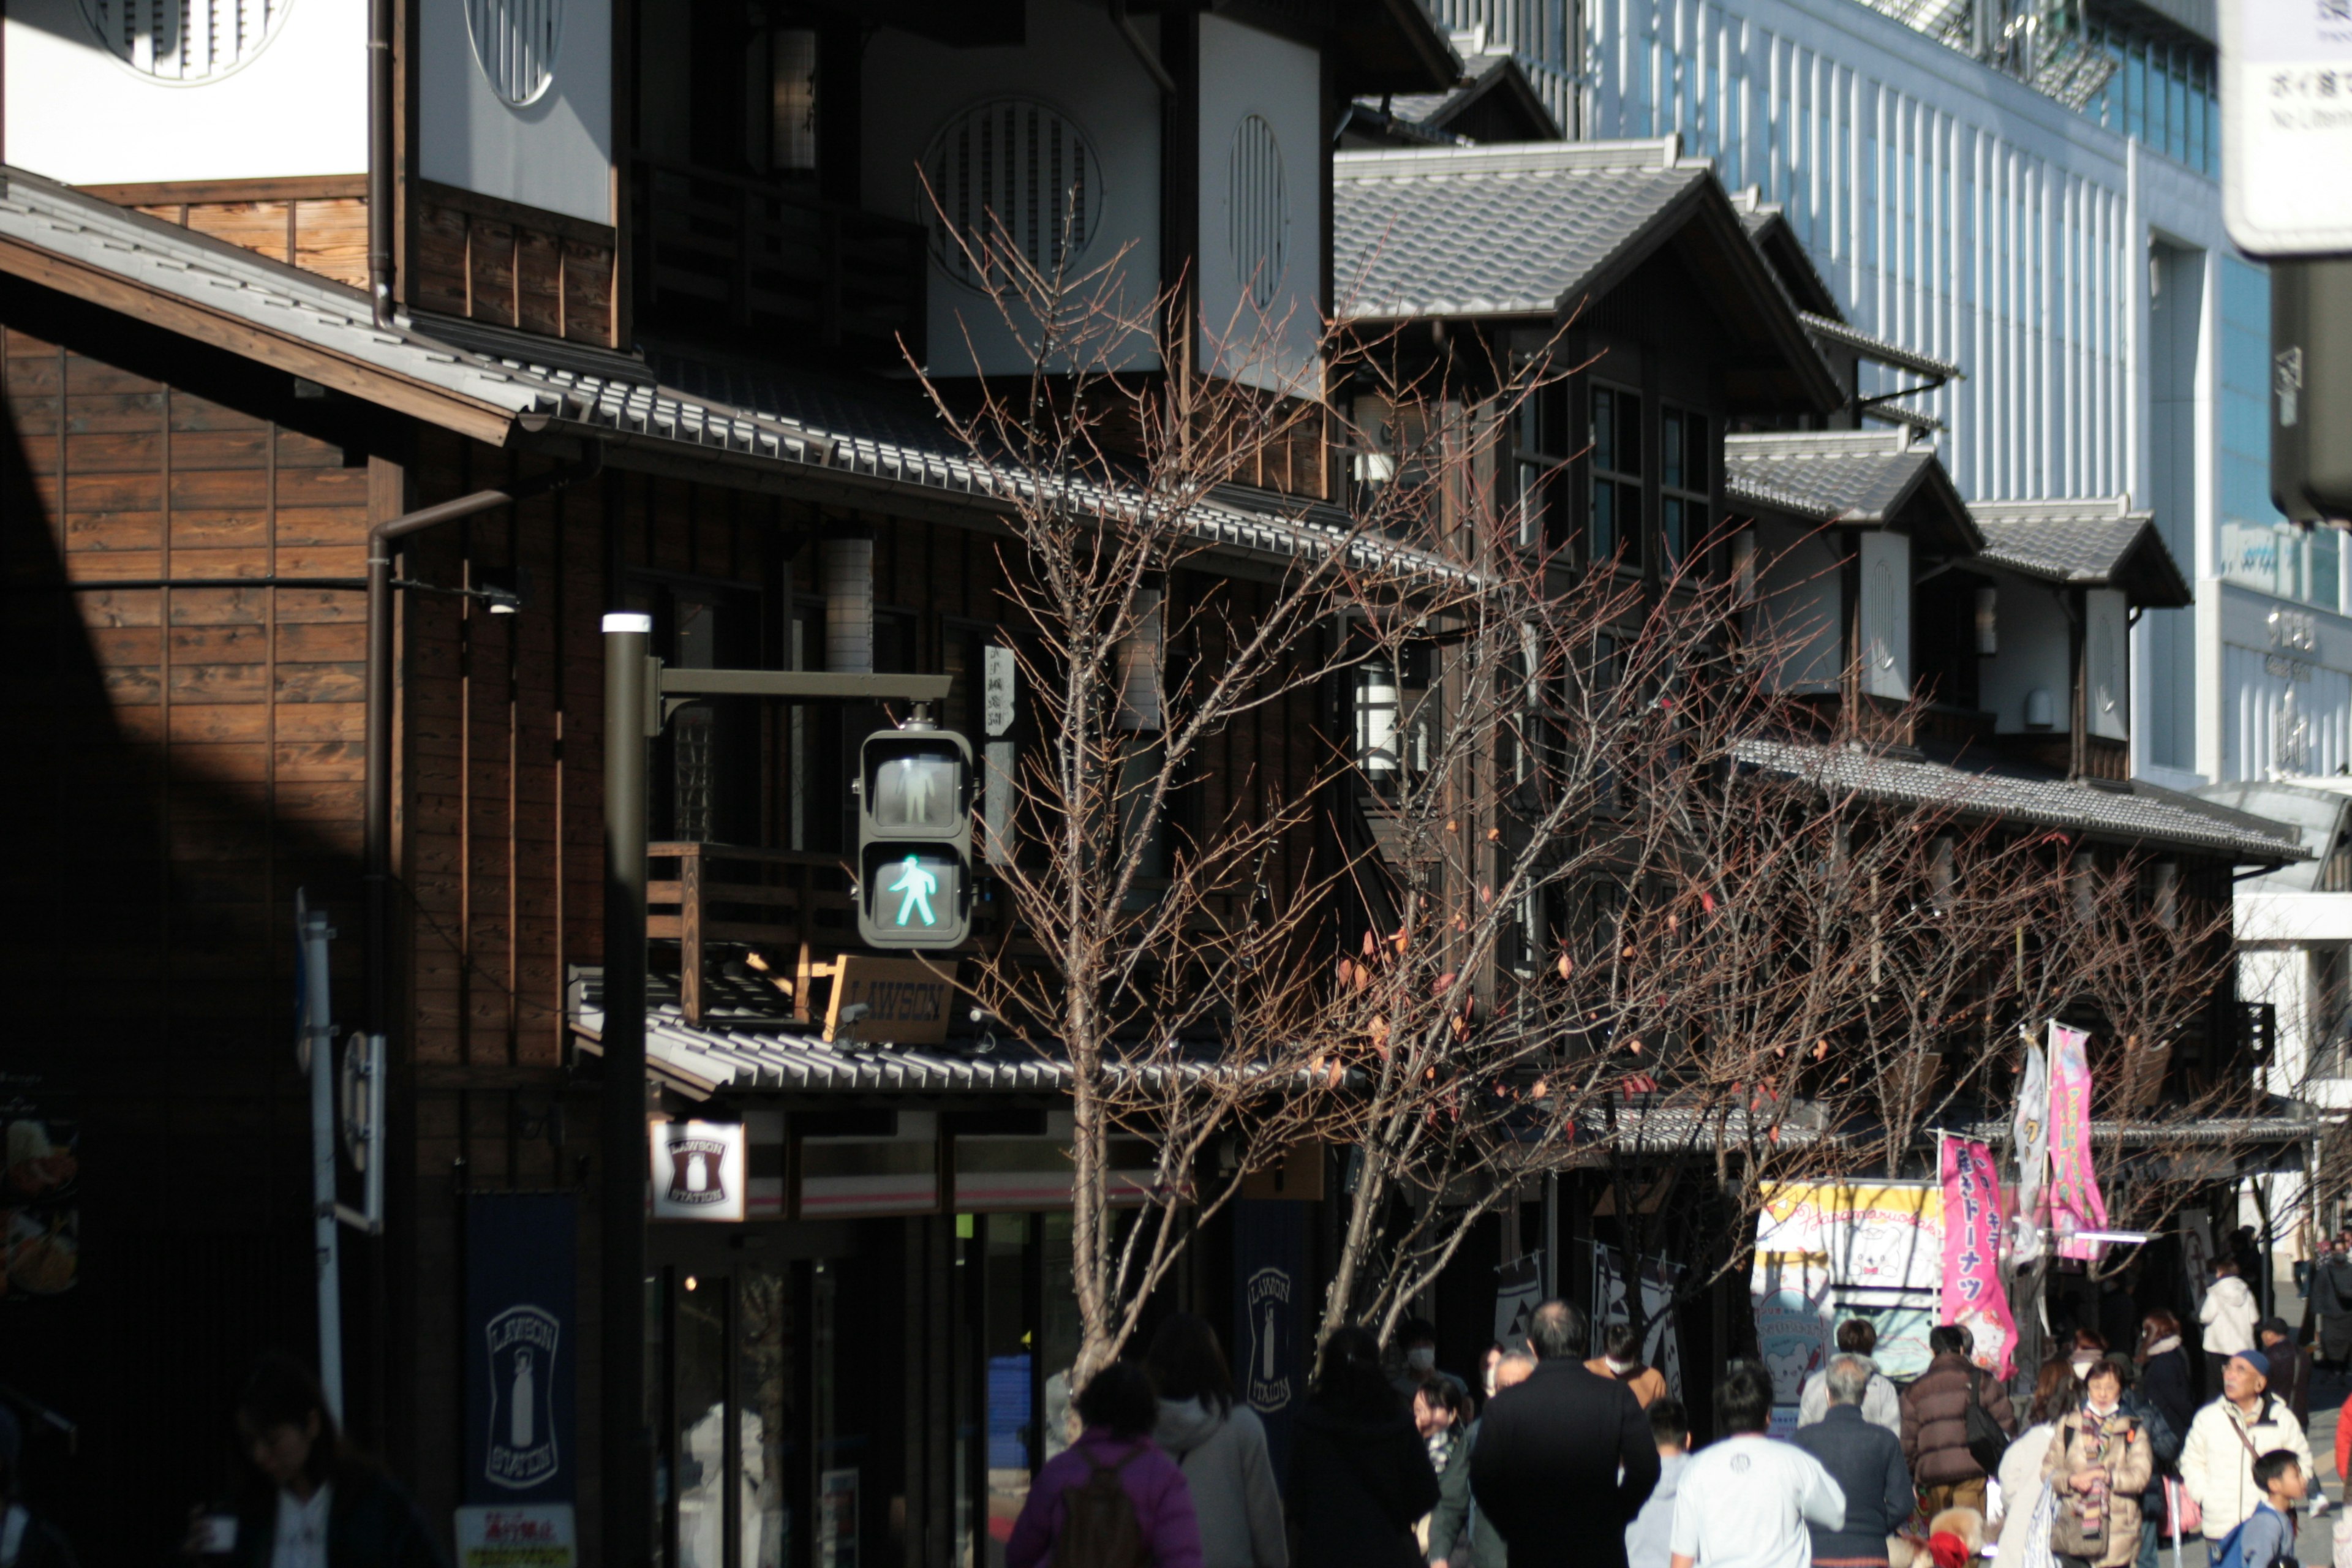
x: 2216, y: 1463
x: 2229, y: 1314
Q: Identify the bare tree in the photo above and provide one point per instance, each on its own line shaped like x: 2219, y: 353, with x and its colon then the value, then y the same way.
x: 1163, y: 908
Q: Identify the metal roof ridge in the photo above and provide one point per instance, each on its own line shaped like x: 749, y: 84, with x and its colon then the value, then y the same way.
x: 1767, y: 445
x: 1661, y: 153
x: 2066, y: 509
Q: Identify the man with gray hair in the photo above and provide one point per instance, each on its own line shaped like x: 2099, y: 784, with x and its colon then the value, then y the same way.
x: 1881, y: 1404
x: 1866, y: 1461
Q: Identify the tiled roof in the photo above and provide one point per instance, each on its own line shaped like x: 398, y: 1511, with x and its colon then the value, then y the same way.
x: 1987, y: 788
x: 1831, y: 329
x: 488, y: 383
x: 741, y: 1051
x: 1846, y: 477
x: 2091, y: 543
x: 1516, y: 230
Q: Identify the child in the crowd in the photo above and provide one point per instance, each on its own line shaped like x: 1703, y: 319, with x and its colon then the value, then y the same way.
x: 2267, y: 1538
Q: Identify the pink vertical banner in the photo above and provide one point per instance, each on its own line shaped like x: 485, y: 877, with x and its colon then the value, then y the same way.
x: 1972, y: 1296
x: 2073, y: 1196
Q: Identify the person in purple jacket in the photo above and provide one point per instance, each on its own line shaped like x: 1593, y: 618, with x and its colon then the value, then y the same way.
x: 1119, y: 1408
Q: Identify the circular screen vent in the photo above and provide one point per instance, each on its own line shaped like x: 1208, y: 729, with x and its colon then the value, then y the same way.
x: 1011, y: 175
x: 185, y: 41
x: 515, y: 43
x: 1257, y: 210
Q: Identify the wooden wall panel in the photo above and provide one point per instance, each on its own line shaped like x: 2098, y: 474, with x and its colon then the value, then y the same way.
x: 317, y: 224
x: 494, y: 262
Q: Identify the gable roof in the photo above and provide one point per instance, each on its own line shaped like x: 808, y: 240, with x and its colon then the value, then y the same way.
x: 1537, y: 229
x: 2095, y: 543
x: 1496, y: 103
x: 1855, y: 477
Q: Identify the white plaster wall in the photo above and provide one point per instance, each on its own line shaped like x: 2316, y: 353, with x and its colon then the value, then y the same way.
x: 1073, y: 60
x: 2030, y: 622
x: 1244, y: 72
x: 2106, y: 652
x: 555, y: 153
x: 77, y: 112
x: 1886, y: 616
x: 1798, y: 606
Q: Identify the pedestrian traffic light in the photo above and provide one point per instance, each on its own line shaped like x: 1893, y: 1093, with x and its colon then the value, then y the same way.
x: 914, y: 839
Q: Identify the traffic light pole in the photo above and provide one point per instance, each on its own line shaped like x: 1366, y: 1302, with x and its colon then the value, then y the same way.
x: 627, y: 1446
x: 640, y: 695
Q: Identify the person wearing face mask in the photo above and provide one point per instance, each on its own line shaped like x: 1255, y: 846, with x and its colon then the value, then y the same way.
x: 2290, y: 1367
x: 2098, y: 1467
x: 1621, y: 1358
x: 1417, y: 1340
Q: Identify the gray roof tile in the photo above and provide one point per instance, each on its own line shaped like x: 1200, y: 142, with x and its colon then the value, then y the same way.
x: 540, y: 383
x: 1997, y: 788
x: 2095, y: 541
x: 1828, y: 476
x: 1516, y: 230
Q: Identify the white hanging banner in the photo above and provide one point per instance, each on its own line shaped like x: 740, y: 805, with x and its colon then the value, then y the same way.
x: 2032, y: 1137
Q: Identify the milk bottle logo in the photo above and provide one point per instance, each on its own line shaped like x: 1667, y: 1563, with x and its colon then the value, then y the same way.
x: 522, y: 1344
x: 697, y: 1171
x: 1268, y: 1374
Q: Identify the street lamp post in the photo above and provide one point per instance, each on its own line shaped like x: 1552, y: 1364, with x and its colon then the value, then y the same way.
x: 627, y: 1450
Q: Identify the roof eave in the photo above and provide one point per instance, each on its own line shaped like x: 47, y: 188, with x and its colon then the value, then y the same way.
x: 463, y: 415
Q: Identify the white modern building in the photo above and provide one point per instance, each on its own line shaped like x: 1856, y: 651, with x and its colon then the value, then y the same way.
x: 2036, y: 197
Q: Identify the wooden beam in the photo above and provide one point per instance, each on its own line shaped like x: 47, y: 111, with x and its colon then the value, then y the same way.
x: 466, y: 417
x: 202, y: 193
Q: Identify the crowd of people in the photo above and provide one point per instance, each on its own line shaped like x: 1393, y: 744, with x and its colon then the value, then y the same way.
x: 1556, y: 1458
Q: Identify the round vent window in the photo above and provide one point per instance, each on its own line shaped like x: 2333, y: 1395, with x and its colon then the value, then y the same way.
x: 185, y: 41
x: 515, y: 43
x: 1257, y: 211
x: 1010, y: 175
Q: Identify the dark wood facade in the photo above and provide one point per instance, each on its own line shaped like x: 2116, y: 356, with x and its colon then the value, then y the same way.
x: 186, y: 757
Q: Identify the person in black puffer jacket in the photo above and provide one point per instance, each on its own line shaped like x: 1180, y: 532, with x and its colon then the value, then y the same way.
x: 1360, y: 1474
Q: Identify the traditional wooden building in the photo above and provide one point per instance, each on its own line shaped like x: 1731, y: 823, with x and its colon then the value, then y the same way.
x: 642, y: 283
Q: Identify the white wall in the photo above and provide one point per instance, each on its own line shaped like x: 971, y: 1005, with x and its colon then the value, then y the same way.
x: 78, y: 113
x: 2032, y: 626
x: 1886, y: 616
x: 1799, y: 606
x: 1253, y: 83
x: 1076, y: 63
x: 2107, y: 656
x: 556, y: 151
x: 2263, y: 672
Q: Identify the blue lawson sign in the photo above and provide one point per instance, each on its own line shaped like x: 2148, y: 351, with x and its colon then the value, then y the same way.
x: 1269, y: 1302
x: 521, y: 1332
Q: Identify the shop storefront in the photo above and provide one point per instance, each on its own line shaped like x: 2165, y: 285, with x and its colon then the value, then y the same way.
x: 871, y: 1364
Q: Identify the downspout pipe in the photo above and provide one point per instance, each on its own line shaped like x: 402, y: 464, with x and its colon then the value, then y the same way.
x: 380, y: 155
x: 1143, y: 52
x: 383, y: 542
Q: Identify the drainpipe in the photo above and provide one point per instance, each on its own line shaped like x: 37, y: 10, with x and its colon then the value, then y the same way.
x: 1144, y: 53
x: 380, y: 155
x: 378, y: 812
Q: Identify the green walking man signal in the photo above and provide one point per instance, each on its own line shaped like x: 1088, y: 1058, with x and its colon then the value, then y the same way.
x: 914, y: 839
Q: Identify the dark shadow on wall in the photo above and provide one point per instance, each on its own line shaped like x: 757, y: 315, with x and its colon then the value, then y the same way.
x: 149, y: 986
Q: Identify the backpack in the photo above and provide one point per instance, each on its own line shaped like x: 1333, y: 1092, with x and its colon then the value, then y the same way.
x: 1100, y: 1529
x: 1987, y: 1442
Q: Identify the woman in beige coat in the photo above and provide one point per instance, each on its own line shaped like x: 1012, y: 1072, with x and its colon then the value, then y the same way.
x: 2098, y: 1465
